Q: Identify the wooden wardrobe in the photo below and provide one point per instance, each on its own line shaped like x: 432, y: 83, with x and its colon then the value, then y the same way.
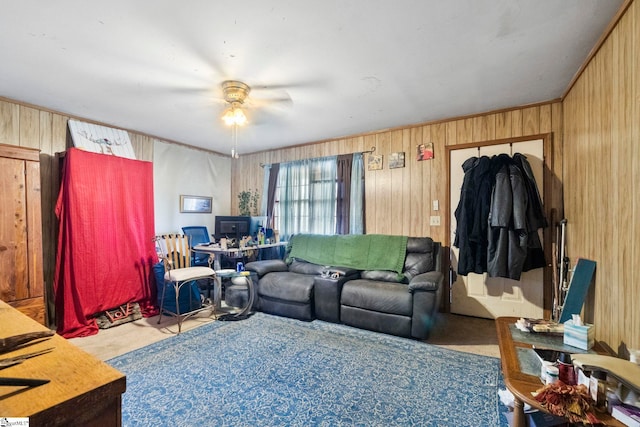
x: 21, y: 273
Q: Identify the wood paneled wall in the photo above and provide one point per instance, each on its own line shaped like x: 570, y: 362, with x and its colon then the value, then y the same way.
x: 602, y: 181
x: 28, y: 126
x: 399, y: 201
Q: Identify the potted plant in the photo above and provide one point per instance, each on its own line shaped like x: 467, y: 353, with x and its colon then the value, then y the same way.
x: 248, y: 202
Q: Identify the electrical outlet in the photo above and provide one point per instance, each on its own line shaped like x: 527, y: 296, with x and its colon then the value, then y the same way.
x: 434, y: 220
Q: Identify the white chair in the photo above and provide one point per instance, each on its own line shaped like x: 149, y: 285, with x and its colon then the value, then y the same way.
x: 175, y: 252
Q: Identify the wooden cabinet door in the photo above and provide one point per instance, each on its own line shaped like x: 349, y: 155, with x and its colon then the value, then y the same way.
x: 21, y: 281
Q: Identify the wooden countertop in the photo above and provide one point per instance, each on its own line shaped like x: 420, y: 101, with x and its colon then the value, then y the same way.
x: 82, y: 390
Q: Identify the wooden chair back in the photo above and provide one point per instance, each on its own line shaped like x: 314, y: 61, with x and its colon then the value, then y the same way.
x: 174, y: 250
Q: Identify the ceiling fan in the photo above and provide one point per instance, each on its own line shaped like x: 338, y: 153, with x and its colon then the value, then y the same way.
x: 235, y: 94
x: 265, y: 105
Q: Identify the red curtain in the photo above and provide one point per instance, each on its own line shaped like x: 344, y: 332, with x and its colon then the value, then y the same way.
x: 105, y: 249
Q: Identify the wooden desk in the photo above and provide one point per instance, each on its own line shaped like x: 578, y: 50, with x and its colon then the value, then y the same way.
x: 520, y: 383
x: 83, y: 391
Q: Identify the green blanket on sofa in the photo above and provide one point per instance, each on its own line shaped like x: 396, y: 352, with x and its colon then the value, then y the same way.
x: 362, y: 251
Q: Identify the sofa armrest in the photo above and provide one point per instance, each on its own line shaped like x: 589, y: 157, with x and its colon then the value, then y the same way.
x: 267, y: 266
x: 429, y: 281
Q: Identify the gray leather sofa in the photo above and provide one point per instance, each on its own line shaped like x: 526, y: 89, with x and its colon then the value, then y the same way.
x: 377, y: 300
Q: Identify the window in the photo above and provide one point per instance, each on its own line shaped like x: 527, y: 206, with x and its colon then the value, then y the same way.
x: 303, y: 195
x: 306, y: 197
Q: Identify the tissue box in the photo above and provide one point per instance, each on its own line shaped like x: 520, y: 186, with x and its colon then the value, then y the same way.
x: 580, y: 336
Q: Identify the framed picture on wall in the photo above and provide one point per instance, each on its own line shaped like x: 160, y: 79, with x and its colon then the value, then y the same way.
x: 396, y: 160
x: 425, y: 151
x: 195, y: 204
x: 374, y: 162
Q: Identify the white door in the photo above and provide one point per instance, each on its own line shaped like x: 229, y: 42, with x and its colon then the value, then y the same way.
x: 490, y: 297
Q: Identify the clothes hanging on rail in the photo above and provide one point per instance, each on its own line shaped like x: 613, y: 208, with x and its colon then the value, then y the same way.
x: 471, y: 215
x: 498, y: 217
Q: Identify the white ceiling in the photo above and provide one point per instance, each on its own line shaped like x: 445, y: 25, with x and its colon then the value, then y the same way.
x: 336, y: 68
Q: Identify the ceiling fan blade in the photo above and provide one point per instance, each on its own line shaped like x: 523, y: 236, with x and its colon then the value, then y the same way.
x: 264, y: 116
x: 300, y: 84
x: 281, y: 101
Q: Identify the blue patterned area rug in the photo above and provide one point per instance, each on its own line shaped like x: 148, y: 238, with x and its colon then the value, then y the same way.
x: 274, y: 371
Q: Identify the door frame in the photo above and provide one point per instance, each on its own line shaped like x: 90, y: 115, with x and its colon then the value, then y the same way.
x: 547, y: 198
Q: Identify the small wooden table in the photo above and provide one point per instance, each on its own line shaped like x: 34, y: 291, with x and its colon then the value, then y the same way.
x: 522, y: 384
x: 83, y: 390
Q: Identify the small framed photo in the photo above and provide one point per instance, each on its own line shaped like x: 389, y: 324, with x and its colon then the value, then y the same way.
x: 195, y: 204
x: 396, y: 160
x: 425, y: 151
x: 374, y: 162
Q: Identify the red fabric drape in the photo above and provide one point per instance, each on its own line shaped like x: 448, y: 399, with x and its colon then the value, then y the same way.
x: 105, y: 248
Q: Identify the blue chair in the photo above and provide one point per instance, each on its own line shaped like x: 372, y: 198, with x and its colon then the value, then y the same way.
x: 197, y: 235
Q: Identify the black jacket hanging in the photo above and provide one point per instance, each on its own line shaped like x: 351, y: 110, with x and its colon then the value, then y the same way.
x: 535, y: 216
x: 498, y: 217
x: 507, y: 221
x: 471, y: 215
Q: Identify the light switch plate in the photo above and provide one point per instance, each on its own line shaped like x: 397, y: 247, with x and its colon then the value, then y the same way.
x: 436, y: 205
x: 434, y: 220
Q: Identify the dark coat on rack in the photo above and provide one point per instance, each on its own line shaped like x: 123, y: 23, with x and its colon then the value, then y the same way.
x: 498, y: 216
x: 471, y: 216
x: 514, y: 219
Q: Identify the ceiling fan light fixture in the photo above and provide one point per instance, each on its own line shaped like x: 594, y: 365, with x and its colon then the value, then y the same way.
x: 235, y: 93
x: 234, y: 115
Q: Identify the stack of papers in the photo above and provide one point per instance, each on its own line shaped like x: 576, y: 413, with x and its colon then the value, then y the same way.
x: 539, y: 326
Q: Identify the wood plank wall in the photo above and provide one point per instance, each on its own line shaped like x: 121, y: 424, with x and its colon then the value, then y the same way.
x: 602, y: 181
x: 399, y: 201
x: 30, y: 126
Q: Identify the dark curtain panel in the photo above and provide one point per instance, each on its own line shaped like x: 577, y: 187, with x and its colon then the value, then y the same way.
x: 271, y: 192
x: 344, y: 193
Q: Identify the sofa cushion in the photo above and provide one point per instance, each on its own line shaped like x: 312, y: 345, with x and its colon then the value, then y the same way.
x: 266, y: 266
x: 385, y: 297
x: 419, y: 257
x: 303, y: 267
x: 287, y: 286
x: 416, y: 264
x: 420, y: 245
x: 383, y: 275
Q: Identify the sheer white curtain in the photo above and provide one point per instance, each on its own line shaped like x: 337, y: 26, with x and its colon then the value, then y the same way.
x: 307, y: 197
x: 264, y: 208
x: 356, y: 214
